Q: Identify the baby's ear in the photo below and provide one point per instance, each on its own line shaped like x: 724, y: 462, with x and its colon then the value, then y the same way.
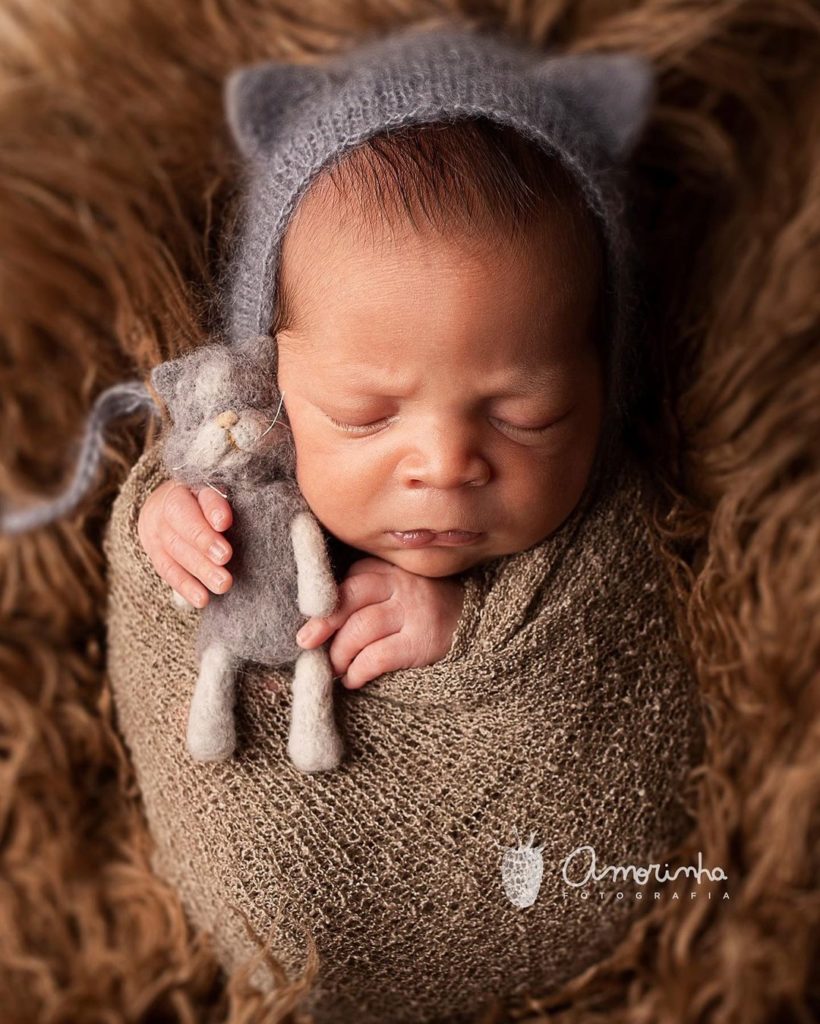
x: 610, y: 94
x: 258, y: 98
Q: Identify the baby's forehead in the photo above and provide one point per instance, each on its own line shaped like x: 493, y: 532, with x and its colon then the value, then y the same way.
x: 449, y: 358
x: 327, y: 252
x: 352, y: 267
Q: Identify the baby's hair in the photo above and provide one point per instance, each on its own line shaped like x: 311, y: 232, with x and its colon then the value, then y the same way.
x: 474, y: 177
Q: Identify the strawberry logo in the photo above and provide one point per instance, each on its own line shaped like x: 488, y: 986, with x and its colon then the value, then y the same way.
x: 522, y: 868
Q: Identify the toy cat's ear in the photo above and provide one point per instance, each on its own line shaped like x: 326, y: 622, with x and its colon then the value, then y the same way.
x: 164, y: 379
x: 258, y: 98
x: 611, y: 94
x: 259, y: 347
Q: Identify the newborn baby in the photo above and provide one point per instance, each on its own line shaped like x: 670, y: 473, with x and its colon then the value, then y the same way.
x: 443, y: 381
x: 439, y: 262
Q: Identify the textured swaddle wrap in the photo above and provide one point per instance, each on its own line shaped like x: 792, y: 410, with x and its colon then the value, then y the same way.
x: 565, y: 706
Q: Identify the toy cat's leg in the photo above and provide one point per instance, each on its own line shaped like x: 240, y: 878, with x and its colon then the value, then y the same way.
x: 314, y: 744
x: 211, y: 732
x: 316, y: 587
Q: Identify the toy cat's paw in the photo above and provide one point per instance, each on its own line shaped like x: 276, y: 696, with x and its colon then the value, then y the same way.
x: 211, y: 744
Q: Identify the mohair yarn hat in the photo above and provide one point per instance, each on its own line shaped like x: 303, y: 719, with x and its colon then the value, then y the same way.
x: 290, y: 122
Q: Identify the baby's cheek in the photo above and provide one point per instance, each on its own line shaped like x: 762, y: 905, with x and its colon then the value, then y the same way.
x: 308, y: 464
x: 324, y: 481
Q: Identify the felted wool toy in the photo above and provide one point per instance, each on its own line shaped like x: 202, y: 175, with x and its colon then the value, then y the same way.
x: 223, y: 402
x: 280, y: 558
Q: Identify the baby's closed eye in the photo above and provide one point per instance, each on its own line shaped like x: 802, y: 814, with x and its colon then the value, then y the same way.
x: 522, y: 426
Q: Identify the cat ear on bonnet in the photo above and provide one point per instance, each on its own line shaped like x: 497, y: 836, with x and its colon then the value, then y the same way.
x: 612, y: 94
x: 258, y: 98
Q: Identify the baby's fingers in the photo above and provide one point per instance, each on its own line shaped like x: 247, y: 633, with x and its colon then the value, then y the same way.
x: 355, y: 592
x: 182, y: 515
x: 179, y: 580
x: 176, y: 549
x: 385, y: 655
x: 216, y: 508
x: 364, y: 628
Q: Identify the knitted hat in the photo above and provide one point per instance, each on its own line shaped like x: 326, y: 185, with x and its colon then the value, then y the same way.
x: 290, y: 122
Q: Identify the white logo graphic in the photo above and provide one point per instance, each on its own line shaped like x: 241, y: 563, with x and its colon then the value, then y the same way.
x: 522, y: 868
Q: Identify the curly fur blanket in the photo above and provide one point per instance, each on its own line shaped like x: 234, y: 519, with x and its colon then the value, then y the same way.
x: 116, y: 205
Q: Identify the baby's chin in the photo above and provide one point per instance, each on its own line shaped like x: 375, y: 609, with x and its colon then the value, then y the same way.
x: 435, y: 561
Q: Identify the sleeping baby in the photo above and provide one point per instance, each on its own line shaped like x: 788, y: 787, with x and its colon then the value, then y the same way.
x: 433, y: 243
x: 443, y: 380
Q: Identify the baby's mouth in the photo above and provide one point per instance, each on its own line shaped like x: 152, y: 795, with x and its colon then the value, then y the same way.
x: 437, y: 538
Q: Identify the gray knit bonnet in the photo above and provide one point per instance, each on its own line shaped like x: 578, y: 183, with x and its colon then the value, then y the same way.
x: 290, y: 122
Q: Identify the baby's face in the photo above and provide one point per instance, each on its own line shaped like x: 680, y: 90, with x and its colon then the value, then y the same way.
x: 434, y: 387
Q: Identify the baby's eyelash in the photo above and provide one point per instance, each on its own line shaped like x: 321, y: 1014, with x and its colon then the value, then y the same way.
x: 531, y: 431
x: 360, y: 428
x: 356, y: 428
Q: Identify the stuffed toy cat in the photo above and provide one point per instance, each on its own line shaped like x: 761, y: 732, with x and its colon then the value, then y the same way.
x: 223, y: 402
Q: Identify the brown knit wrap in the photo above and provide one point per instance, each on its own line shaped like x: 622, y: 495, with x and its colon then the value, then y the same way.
x: 565, y: 707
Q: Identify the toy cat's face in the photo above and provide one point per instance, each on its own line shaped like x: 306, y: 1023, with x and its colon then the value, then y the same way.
x: 224, y: 401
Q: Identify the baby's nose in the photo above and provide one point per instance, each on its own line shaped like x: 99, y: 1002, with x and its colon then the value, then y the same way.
x: 227, y: 418
x: 447, y: 458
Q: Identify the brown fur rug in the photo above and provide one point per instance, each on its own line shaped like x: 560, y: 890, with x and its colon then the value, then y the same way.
x: 116, y: 193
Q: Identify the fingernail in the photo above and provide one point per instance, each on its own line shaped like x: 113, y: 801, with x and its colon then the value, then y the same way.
x: 218, y: 519
x: 217, y: 550
x: 304, y: 634
x: 218, y: 578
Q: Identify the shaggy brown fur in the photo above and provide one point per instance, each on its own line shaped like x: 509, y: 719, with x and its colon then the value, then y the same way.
x: 115, y: 193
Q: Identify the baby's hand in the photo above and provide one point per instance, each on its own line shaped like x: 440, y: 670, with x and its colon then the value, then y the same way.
x: 182, y: 546
x: 387, y: 619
